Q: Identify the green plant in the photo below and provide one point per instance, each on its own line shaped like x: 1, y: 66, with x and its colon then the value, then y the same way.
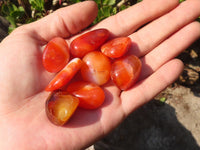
x: 108, y: 8
x: 163, y: 99
x: 20, y: 14
x: 31, y: 10
x: 37, y: 4
x: 13, y: 14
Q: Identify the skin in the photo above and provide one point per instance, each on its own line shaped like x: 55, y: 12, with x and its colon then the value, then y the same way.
x: 23, y: 122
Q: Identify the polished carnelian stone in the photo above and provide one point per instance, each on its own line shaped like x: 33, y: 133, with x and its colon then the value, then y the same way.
x: 60, y: 106
x: 96, y: 68
x: 55, y: 55
x: 88, y: 42
x: 116, y: 47
x: 65, y: 75
x: 125, y: 71
x: 91, y: 96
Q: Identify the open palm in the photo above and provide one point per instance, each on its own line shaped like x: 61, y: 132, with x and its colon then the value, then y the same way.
x: 23, y: 121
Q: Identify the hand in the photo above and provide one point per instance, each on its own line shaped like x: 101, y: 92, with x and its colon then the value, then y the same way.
x: 23, y: 121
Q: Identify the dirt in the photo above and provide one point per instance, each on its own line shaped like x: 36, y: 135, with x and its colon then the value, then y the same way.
x: 171, y: 121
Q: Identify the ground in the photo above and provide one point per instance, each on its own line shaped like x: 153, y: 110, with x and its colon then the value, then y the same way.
x: 171, y: 121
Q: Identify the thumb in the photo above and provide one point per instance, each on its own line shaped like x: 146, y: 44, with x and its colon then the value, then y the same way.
x: 65, y: 21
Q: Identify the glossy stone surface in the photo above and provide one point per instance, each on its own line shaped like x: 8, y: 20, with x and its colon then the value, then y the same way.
x: 96, y: 68
x: 88, y: 42
x: 60, y: 106
x: 125, y: 71
x: 91, y: 96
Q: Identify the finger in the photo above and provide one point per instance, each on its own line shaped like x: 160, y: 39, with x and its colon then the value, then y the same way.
x: 129, y: 20
x: 65, y: 21
x: 170, y: 48
x: 146, y: 89
x: 154, y: 33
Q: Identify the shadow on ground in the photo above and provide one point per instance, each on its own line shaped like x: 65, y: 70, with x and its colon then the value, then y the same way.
x: 152, y: 127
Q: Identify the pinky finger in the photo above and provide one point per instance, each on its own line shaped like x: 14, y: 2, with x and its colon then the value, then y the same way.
x: 146, y: 89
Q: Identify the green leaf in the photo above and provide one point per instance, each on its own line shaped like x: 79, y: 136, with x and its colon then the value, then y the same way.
x: 20, y: 8
x: 14, y: 7
x: 38, y: 5
x: 11, y: 7
x: 106, y: 11
x: 11, y: 20
x: 122, y: 7
x: 114, y: 10
x: 38, y: 15
x: 75, y: 1
x: 17, y: 14
x: 5, y: 10
x: 29, y: 20
x: 109, y: 2
x: 99, y: 2
x: 10, y: 29
x: 163, y: 99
